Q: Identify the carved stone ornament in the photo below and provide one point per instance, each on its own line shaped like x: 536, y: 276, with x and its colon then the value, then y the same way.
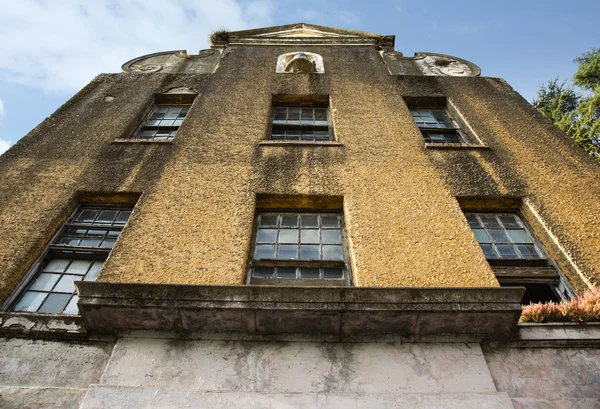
x: 206, y: 53
x: 439, y: 65
x: 146, y: 68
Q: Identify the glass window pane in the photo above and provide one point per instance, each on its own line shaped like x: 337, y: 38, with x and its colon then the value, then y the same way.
x: 310, y: 221
x: 106, y: 216
x: 498, y: 236
x: 96, y: 233
x: 507, y: 251
x: 266, y: 236
x: 473, y: 220
x: 44, y: 282
x: 79, y: 267
x: 30, y: 301
x: 331, y: 236
x: 333, y: 273
x: 263, y: 272
x: 509, y: 220
x: 123, y: 217
x: 65, y: 284
x: 264, y: 251
x: 286, y: 272
x: 72, y: 306
x: 288, y: 236
x: 90, y: 242
x: 56, y: 265
x: 529, y: 251
x: 309, y: 236
x: 93, y: 272
x: 68, y: 241
x: 519, y: 236
x: 55, y: 303
x: 289, y: 220
x: 332, y: 253
x: 482, y: 236
x: 268, y: 220
x: 86, y: 216
x: 489, y: 220
x: 489, y: 251
x: 287, y: 252
x: 108, y: 243
x: 309, y: 273
x: 309, y: 252
x: 330, y: 221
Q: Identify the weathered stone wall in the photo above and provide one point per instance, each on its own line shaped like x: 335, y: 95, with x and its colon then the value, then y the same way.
x: 168, y: 373
x: 193, y: 222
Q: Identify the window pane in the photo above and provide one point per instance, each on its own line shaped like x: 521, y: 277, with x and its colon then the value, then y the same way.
x: 45, y: 282
x: 107, y: 216
x: 309, y: 252
x: 333, y: 273
x: 528, y: 251
x: 123, y: 217
x: 489, y: 220
x: 57, y: 265
x: 310, y: 236
x: 86, y: 216
x: 331, y: 236
x: 286, y: 272
x: 482, y: 236
x: 489, y: 251
x: 263, y: 272
x: 330, y: 221
x: 332, y: 253
x: 309, y: 273
x: 93, y: 272
x: 519, y: 236
x: 90, y: 242
x: 288, y: 236
x: 310, y: 221
x: 473, y: 220
x: 268, y: 220
x: 55, y: 303
x: 287, y: 252
x: 507, y: 251
x: 79, y: 267
x: 289, y: 220
x: 68, y: 241
x: 264, y: 251
x: 266, y: 236
x: 108, y: 244
x: 72, y: 306
x: 30, y: 301
x: 509, y: 221
x: 498, y: 236
x: 65, y: 285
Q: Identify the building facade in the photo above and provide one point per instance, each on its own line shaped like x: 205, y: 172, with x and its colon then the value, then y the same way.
x: 299, y: 216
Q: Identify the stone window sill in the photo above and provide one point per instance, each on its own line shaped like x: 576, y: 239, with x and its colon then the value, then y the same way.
x: 294, y: 143
x: 433, y: 145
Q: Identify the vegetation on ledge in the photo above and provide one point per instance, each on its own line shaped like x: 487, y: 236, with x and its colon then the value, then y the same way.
x: 585, y: 308
x: 219, y: 36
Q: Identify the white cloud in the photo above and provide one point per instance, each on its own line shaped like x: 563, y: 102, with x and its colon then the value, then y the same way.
x: 4, y: 145
x: 62, y: 45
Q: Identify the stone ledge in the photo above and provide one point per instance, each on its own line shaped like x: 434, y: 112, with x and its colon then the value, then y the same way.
x: 557, y: 334
x: 30, y: 325
x: 333, y: 314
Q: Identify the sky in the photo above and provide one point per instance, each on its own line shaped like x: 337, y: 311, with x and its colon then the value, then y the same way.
x: 49, y: 49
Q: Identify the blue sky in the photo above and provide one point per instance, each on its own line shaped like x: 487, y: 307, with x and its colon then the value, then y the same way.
x: 55, y: 47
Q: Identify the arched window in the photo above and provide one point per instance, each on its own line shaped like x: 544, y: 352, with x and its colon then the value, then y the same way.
x: 300, y: 62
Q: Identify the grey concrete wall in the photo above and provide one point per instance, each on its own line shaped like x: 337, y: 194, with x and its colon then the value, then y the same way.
x: 167, y: 373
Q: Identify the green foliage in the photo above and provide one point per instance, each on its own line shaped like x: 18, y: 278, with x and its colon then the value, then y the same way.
x: 219, y: 36
x: 585, y: 308
x: 577, y: 115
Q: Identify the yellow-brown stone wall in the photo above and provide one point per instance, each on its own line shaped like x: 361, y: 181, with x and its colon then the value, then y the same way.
x: 193, y: 223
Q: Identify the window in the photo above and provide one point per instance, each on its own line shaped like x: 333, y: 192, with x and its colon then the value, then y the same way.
x: 301, y: 124
x: 162, y: 123
x: 299, y: 246
x: 76, y: 253
x: 516, y: 257
x: 437, y: 126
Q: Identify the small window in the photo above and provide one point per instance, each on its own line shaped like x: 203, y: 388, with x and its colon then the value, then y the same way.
x: 77, y: 253
x: 517, y: 258
x: 437, y: 126
x: 299, y: 246
x: 162, y: 123
x: 301, y: 124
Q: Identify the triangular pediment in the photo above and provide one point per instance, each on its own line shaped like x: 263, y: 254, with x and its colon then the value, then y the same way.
x: 306, y: 34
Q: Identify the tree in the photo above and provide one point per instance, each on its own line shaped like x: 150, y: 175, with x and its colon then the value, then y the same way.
x: 577, y: 114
